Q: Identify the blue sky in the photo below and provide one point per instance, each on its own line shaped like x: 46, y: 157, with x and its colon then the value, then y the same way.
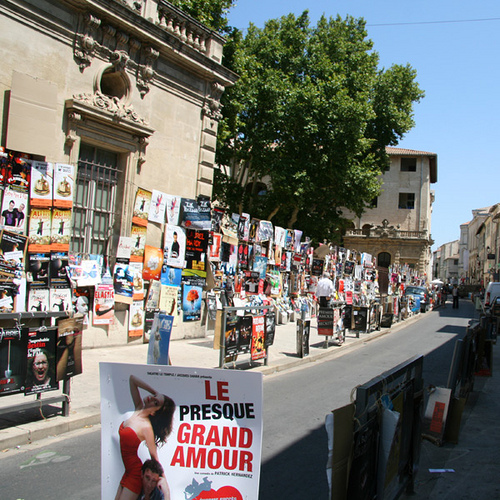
x: 454, y: 45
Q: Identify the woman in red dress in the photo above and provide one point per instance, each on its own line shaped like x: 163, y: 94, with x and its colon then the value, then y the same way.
x: 152, y: 423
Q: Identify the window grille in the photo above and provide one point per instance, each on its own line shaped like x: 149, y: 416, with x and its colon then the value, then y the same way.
x: 95, y: 197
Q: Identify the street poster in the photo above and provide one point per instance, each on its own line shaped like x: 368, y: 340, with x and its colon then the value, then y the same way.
x: 123, y: 283
x: 13, y: 345
x: 270, y: 327
x: 41, y: 367
x: 173, y: 209
x: 12, y: 252
x: 174, y: 246
x: 58, y: 270
x: 325, y: 321
x: 212, y: 420
x: 41, y: 184
x: 138, y: 235
x: 258, y: 350
x: 60, y: 230
x: 159, y: 340
x: 69, y: 348
x: 196, y: 250
x: 14, y: 205
x: 64, y: 179
x: 245, y: 334
x: 104, y: 305
x: 153, y: 260
x: 136, y: 319
x: 232, y: 335
x: 157, y: 207
x: 40, y: 230
x: 60, y: 300
x: 168, y: 299
x: 192, y: 290
x: 141, y: 207
x: 196, y: 214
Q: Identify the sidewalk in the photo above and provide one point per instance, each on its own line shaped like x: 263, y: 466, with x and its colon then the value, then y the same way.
x: 21, y: 428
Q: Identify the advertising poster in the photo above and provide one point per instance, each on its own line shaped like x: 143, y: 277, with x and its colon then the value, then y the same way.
x: 138, y: 235
x: 215, y: 247
x: 58, y: 270
x: 196, y: 214
x: 317, y: 267
x: 192, y: 289
x: 123, y: 283
x: 41, y: 367
x: 173, y: 207
x: 265, y: 231
x: 38, y: 300
x: 258, y: 338
x: 245, y: 337
x: 12, y: 252
x: 19, y: 172
x: 141, y: 207
x: 40, y: 230
x: 13, y: 345
x: 270, y: 328
x: 153, y: 296
x: 325, y: 321
x: 217, y: 217
x: 260, y: 266
x: 60, y: 230
x: 159, y: 340
x: 168, y: 299
x: 212, y: 454
x: 14, y: 209
x: 136, y: 319
x: 61, y: 300
x: 170, y: 276
x: 64, y: 179
x: 104, y: 305
x: 42, y: 175
x: 153, y: 260
x: 150, y: 316
x: 157, y: 207
x: 135, y: 269
x: 124, y: 249
x: 243, y: 255
x: 38, y: 270
x: 231, y: 335
x: 69, y: 348
x: 174, y: 246
x: 196, y: 250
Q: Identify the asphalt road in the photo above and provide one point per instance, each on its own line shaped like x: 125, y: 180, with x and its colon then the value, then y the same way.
x: 296, y: 402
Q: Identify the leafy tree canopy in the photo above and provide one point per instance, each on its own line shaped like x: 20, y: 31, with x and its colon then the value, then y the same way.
x: 211, y: 13
x: 310, y: 118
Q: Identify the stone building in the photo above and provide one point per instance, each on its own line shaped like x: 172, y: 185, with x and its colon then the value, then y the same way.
x: 126, y: 91
x: 397, y: 229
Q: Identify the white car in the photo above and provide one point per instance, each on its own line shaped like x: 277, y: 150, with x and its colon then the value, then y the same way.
x: 492, y: 293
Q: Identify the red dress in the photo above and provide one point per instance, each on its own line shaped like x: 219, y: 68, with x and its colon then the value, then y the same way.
x: 129, y: 443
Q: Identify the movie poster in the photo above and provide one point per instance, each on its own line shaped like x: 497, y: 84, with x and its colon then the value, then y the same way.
x: 173, y: 209
x: 192, y: 290
x: 136, y: 319
x: 258, y: 350
x: 174, y: 246
x: 14, y: 209
x: 138, y: 235
x: 159, y: 340
x: 157, y: 207
x: 13, y: 346
x: 104, y: 305
x: 69, y: 348
x: 40, y: 230
x: 41, y: 367
x: 64, y: 179
x: 60, y: 230
x: 153, y: 260
x: 211, y: 454
x: 141, y: 207
x: 42, y: 174
x: 196, y: 214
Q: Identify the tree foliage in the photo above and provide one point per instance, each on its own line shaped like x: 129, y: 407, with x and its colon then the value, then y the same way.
x: 211, y: 13
x: 310, y: 116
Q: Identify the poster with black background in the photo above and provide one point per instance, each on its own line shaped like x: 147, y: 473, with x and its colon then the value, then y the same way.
x: 196, y: 249
x: 41, y: 367
x: 13, y: 344
x: 270, y: 328
x: 245, y: 337
x: 232, y: 334
x: 39, y: 264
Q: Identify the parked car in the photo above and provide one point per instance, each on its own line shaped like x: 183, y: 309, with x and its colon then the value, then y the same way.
x: 418, y: 291
x: 491, y: 294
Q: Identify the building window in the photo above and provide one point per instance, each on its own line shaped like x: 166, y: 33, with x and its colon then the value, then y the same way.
x: 384, y: 259
x: 95, y: 194
x: 408, y: 164
x: 406, y: 200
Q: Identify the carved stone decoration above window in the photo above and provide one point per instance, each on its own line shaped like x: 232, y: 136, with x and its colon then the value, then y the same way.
x: 85, y: 41
x: 145, y: 72
x: 212, y: 106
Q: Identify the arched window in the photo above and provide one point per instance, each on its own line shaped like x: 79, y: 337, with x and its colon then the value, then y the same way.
x: 384, y: 259
x: 366, y: 229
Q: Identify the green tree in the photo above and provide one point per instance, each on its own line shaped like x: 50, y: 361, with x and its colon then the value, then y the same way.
x: 310, y: 117
x: 211, y: 13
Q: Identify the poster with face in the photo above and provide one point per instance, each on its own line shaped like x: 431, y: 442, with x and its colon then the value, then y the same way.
x: 14, y: 210
x: 69, y: 348
x: 174, y: 246
x: 211, y: 454
x: 13, y: 360
x: 41, y: 354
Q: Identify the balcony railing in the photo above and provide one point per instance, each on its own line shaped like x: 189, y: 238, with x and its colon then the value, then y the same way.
x: 394, y: 233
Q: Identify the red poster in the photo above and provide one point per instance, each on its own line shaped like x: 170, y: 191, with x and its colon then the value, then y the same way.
x: 258, y: 350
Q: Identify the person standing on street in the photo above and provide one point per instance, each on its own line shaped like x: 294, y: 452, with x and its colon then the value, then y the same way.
x: 324, y: 290
x: 454, y: 294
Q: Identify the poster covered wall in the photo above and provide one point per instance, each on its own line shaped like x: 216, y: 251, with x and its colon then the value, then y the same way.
x: 214, y: 453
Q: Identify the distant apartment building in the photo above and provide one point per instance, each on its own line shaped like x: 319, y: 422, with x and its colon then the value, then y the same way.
x: 446, y: 262
x: 397, y: 229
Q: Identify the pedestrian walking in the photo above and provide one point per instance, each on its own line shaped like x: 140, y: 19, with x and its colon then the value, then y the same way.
x: 454, y: 294
x: 324, y: 290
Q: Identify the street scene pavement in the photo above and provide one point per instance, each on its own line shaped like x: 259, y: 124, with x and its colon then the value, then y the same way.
x: 461, y: 470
